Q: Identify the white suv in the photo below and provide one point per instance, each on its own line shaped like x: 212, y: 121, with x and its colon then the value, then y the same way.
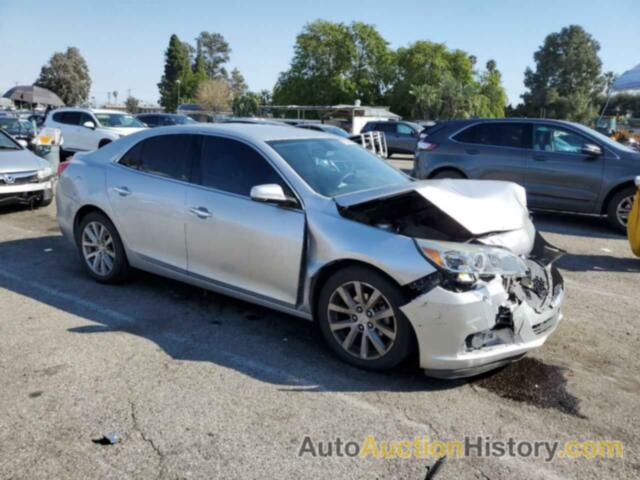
x: 86, y: 129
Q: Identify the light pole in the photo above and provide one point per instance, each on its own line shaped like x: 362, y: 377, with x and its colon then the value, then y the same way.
x: 178, y: 81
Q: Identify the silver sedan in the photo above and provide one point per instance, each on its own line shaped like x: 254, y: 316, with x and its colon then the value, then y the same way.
x: 317, y: 227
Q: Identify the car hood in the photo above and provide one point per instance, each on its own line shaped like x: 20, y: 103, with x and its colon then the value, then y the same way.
x: 480, y: 206
x: 20, y: 161
x: 124, y: 131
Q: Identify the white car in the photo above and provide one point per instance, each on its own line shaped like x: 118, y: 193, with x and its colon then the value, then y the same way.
x: 86, y: 129
x: 24, y: 178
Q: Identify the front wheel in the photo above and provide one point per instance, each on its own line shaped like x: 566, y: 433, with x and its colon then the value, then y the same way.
x: 101, y: 249
x: 360, y: 318
x: 619, y: 208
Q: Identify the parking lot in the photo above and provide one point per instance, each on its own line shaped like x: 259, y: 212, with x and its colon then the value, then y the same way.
x: 198, y: 385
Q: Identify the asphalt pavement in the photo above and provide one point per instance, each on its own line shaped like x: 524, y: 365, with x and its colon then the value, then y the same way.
x: 198, y: 385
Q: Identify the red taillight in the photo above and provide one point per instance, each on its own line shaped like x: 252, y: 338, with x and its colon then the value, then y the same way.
x: 427, y: 146
x: 62, y: 166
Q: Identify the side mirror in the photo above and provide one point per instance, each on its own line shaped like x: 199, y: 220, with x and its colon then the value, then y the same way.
x: 592, y: 150
x: 89, y: 124
x: 271, y: 193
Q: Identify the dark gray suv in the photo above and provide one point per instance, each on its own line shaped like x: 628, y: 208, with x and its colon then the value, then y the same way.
x: 563, y: 166
x: 402, y: 137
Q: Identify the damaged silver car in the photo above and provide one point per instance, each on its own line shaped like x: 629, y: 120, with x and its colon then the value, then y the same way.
x: 317, y: 227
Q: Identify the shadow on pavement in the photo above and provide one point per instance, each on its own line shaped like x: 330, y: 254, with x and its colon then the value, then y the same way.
x: 192, y: 324
x: 572, y: 224
x: 598, y: 263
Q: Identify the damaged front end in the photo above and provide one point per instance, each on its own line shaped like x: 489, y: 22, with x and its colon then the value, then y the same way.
x: 495, y: 293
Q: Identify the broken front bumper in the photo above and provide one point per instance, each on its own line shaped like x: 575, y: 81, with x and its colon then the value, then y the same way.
x: 464, y: 333
x: 23, y: 192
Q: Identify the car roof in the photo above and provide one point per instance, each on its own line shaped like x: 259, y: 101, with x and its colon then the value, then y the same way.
x: 250, y: 132
x: 82, y: 109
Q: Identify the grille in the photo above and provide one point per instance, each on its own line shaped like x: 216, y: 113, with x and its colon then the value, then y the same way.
x: 18, y: 178
x: 540, y: 328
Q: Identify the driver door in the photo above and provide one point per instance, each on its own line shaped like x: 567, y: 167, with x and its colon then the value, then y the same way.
x: 234, y: 241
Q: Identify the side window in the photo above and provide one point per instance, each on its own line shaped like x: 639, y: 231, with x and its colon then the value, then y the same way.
x: 150, y: 120
x: 164, y: 155
x: 495, y: 134
x: 385, y: 127
x: 72, y: 118
x: 58, y: 117
x: 553, y: 139
x: 133, y: 158
x: 234, y: 167
x: 85, y: 117
x: 404, y: 129
x: 166, y: 120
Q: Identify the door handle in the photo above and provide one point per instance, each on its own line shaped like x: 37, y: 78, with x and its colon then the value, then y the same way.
x: 122, y: 191
x: 539, y: 158
x: 200, y: 212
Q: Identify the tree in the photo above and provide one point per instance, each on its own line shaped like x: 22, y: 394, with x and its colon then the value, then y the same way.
x: 491, y: 88
x: 115, y: 97
x: 214, y: 95
x: 265, y: 97
x: 215, y: 51
x: 67, y: 75
x: 177, y: 79
x: 132, y: 104
x: 424, y: 66
x: 246, y: 104
x: 567, y: 78
x: 237, y: 83
x: 336, y: 63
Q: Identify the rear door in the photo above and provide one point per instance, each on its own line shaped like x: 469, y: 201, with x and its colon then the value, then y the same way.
x: 68, y: 123
x: 147, y: 189
x: 559, y: 175
x: 494, y: 150
x: 237, y: 242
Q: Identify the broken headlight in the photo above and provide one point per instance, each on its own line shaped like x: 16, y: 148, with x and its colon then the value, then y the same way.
x: 469, y: 261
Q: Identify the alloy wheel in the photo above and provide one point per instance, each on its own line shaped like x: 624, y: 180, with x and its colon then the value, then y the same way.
x: 98, y: 248
x: 362, y: 320
x: 623, y: 209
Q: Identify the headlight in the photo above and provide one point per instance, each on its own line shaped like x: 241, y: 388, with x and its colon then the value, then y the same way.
x: 470, y: 260
x: 45, y: 173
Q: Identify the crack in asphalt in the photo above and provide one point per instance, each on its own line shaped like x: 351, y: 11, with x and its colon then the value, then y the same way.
x: 148, y: 440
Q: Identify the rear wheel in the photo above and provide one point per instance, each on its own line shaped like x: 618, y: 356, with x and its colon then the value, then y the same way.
x: 360, y: 319
x: 449, y: 173
x: 101, y: 249
x: 619, y: 208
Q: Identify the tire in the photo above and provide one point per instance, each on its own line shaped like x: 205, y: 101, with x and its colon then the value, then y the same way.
x: 103, y: 143
x: 393, y: 333
x: 113, y: 250
x: 449, y: 173
x: 45, y: 199
x: 617, y: 202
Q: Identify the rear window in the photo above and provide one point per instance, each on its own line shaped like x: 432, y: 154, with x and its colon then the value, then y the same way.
x: 495, y: 134
x: 165, y: 155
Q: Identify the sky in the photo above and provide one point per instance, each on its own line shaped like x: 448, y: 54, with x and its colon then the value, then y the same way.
x: 124, y: 41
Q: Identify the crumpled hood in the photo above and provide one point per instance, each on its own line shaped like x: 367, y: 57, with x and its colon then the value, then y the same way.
x: 12, y: 161
x: 480, y: 206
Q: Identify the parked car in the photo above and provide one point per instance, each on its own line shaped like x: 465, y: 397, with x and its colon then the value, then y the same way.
x: 86, y: 129
x: 317, y: 227
x: 164, y: 119
x: 402, y: 137
x: 323, y: 127
x: 562, y: 165
x: 24, y: 177
x: 18, y: 129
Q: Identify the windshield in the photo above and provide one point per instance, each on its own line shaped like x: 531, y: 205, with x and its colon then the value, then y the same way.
x: 336, y: 131
x: 6, y: 143
x: 118, y: 120
x: 183, y: 120
x: 604, y: 139
x: 9, y: 123
x: 334, y: 167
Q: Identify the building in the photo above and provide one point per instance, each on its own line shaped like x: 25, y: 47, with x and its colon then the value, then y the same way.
x: 351, y: 117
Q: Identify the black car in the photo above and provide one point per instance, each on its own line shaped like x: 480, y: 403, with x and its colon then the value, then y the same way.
x: 164, y: 119
x: 562, y: 165
x: 402, y: 136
